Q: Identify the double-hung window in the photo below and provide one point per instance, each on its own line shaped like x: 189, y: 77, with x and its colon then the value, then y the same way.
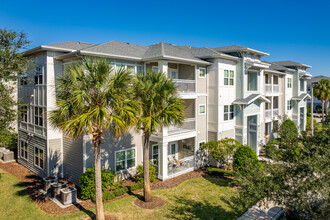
x: 39, y: 157
x: 155, y: 155
x: 38, y: 77
x: 252, y: 81
x: 302, y: 85
x: 228, y: 112
x: 24, y: 150
x: 202, y: 72
x: 289, y: 105
x: 38, y: 116
x: 229, y: 77
x: 125, y: 159
x: 289, y: 82
x: 24, y: 113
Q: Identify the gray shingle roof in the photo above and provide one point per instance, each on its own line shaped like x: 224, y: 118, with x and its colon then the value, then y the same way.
x: 72, y: 45
x: 237, y: 48
x: 119, y: 48
x: 292, y: 64
x: 250, y: 99
x: 301, y: 97
x: 277, y: 67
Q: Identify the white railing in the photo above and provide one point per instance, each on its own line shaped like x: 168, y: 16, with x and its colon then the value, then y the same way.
x: 185, y: 85
x: 188, y: 125
x: 275, y: 88
x: 268, y: 113
x: 268, y: 87
x: 176, y: 166
x: 275, y: 112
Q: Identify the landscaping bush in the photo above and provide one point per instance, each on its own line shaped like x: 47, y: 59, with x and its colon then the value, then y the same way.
x: 243, y: 156
x: 120, y: 191
x: 108, y: 195
x: 152, y: 173
x: 136, y: 186
x: 87, y: 182
x: 219, y: 172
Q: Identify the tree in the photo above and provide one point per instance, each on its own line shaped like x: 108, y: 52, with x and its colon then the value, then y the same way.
x: 223, y: 150
x: 92, y: 98
x: 322, y: 92
x: 160, y: 106
x: 12, y: 65
x: 302, y: 185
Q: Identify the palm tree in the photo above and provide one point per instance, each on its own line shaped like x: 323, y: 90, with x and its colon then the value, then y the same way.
x: 92, y: 98
x: 322, y: 92
x: 160, y: 106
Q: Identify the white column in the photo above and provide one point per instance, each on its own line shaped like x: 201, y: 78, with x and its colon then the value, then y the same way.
x: 163, y: 162
x: 163, y: 66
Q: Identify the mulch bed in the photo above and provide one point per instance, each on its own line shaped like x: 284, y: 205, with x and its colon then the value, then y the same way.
x: 156, y: 202
x: 34, y: 183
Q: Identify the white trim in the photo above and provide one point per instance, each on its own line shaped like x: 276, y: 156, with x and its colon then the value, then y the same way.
x: 135, y: 152
x: 199, y: 113
x: 199, y: 73
x: 84, y: 154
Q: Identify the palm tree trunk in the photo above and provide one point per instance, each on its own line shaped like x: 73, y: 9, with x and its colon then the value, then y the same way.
x: 326, y: 106
x: 98, y: 179
x: 146, y: 180
x: 322, y: 110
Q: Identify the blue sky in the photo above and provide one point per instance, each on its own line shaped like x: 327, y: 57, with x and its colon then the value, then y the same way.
x: 288, y: 30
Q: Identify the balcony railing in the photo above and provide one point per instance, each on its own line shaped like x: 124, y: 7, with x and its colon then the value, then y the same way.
x: 275, y: 88
x: 188, y: 125
x: 275, y: 112
x: 268, y: 113
x: 185, y: 85
x: 177, y: 166
x: 268, y: 87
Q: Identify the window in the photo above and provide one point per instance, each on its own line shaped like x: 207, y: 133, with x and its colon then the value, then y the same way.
x: 275, y: 102
x: 24, y: 150
x: 252, y: 81
x: 202, y: 72
x: 201, y: 144
x: 131, y: 68
x: 125, y: 159
x: 39, y: 157
x: 268, y: 127
x: 302, y: 85
x: 155, y: 155
x: 228, y: 77
x: 38, y: 116
x: 267, y: 79
x: 38, y: 77
x: 154, y: 68
x: 23, y: 80
x: 268, y: 105
x: 289, y: 82
x: 275, y: 80
x: 202, y: 109
x: 289, y: 105
x: 228, y: 112
x: 23, y: 113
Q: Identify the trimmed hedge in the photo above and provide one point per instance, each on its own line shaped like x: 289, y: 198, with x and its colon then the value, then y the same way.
x: 243, y: 157
x: 219, y: 172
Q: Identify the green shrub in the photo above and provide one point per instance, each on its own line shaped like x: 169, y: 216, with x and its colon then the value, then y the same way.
x: 219, y: 172
x: 108, y: 195
x: 120, y: 191
x: 152, y: 173
x: 243, y: 157
x: 87, y: 182
x: 136, y: 186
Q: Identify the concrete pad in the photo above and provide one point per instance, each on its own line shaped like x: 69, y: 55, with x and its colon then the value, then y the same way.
x: 57, y: 199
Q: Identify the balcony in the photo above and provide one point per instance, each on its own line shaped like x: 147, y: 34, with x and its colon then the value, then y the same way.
x: 185, y: 86
x: 268, y: 87
x: 275, y: 88
x: 268, y: 113
x: 275, y: 112
x: 188, y: 125
x: 177, y: 166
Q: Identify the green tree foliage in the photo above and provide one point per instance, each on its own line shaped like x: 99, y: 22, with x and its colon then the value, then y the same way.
x: 243, y: 156
x: 91, y: 99
x: 322, y: 92
x: 12, y: 65
x: 302, y: 185
x: 160, y: 106
x: 223, y: 150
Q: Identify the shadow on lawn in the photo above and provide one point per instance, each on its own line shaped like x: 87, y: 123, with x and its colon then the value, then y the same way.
x: 31, y: 188
x: 190, y: 209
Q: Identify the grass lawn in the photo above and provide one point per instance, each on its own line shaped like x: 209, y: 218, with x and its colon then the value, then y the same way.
x: 202, y: 198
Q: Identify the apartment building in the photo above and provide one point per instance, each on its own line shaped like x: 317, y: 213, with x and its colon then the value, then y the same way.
x: 227, y: 92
